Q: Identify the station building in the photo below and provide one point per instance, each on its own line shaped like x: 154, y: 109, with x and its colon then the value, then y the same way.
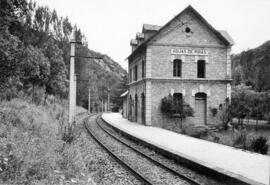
x: 186, y: 58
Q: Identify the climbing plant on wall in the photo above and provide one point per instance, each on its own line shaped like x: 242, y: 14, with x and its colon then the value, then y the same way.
x: 176, y: 108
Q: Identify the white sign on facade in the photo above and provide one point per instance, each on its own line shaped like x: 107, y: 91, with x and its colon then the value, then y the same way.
x: 189, y: 51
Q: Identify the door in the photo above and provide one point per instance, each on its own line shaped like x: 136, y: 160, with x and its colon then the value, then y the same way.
x: 200, y: 108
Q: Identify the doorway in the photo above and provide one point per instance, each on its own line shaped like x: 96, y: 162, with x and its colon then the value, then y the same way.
x: 200, y: 108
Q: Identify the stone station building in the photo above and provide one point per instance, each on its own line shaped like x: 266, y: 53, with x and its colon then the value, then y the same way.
x: 186, y: 58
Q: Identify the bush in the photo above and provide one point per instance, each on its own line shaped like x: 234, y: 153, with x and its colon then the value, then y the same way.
x: 68, y: 133
x: 176, y: 108
x: 166, y: 104
x: 259, y: 145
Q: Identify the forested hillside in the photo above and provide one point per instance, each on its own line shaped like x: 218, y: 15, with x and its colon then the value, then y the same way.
x: 252, y: 67
x: 100, y: 75
x: 34, y: 56
x: 37, y: 143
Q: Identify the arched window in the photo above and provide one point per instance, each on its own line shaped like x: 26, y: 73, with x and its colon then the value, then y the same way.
x: 177, y: 68
x: 143, y: 108
x: 201, y: 69
x: 130, y: 107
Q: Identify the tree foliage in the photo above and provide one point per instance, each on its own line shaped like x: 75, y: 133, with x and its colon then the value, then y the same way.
x: 252, y: 68
x: 10, y: 52
x: 35, y: 49
x: 169, y: 105
x: 35, y: 67
x: 177, y: 108
x: 57, y: 79
x: 247, y: 103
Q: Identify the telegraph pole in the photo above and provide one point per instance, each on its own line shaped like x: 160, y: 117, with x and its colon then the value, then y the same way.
x: 89, y: 100
x: 102, y: 105
x: 75, y: 94
x: 71, y: 81
x: 109, y: 100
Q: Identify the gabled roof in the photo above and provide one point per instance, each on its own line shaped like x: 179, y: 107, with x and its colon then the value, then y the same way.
x: 224, y: 37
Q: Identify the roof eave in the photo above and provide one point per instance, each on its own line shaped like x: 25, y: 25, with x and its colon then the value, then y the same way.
x: 139, y: 48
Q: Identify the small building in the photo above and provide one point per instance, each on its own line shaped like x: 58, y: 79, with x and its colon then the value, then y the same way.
x: 186, y: 58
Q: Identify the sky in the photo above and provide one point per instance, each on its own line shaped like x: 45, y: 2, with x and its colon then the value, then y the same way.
x: 109, y: 25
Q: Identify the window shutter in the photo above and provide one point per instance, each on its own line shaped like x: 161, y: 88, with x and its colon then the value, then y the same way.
x: 179, y: 68
x: 174, y: 68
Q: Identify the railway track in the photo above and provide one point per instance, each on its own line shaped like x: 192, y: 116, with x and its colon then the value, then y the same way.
x: 118, y: 159
x: 145, y: 179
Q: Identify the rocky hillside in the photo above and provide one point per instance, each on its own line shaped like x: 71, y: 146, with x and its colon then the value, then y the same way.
x: 99, y: 74
x: 108, y: 64
x: 252, y: 67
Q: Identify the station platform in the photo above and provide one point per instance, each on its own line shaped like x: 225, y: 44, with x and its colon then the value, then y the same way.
x: 251, y: 168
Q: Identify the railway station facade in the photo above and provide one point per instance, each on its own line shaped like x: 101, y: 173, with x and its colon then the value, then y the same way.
x: 186, y: 58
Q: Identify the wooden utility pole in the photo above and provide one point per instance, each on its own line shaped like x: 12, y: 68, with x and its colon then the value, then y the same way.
x: 73, y: 80
x: 75, y: 94
x: 89, y: 100
x: 102, y: 106
x: 71, y: 113
x: 108, y: 100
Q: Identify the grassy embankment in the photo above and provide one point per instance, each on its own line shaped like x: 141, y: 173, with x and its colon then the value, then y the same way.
x: 32, y: 148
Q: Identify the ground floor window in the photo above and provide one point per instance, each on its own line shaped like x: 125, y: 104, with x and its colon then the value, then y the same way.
x: 143, y: 108
x: 130, y: 107
x: 136, y: 108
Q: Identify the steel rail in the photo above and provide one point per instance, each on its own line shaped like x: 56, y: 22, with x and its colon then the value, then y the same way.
x: 174, y: 172
x: 139, y: 176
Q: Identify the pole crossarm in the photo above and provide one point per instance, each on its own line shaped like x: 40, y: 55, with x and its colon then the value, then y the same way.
x: 86, y: 57
x: 75, y: 42
x: 82, y: 80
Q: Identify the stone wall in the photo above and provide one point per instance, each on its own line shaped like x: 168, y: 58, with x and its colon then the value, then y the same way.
x: 162, y: 63
x: 136, y: 61
x: 216, y: 94
x: 136, y: 89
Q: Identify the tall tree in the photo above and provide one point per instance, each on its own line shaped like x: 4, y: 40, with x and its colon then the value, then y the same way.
x: 10, y: 52
x: 58, y: 75
x: 35, y: 67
